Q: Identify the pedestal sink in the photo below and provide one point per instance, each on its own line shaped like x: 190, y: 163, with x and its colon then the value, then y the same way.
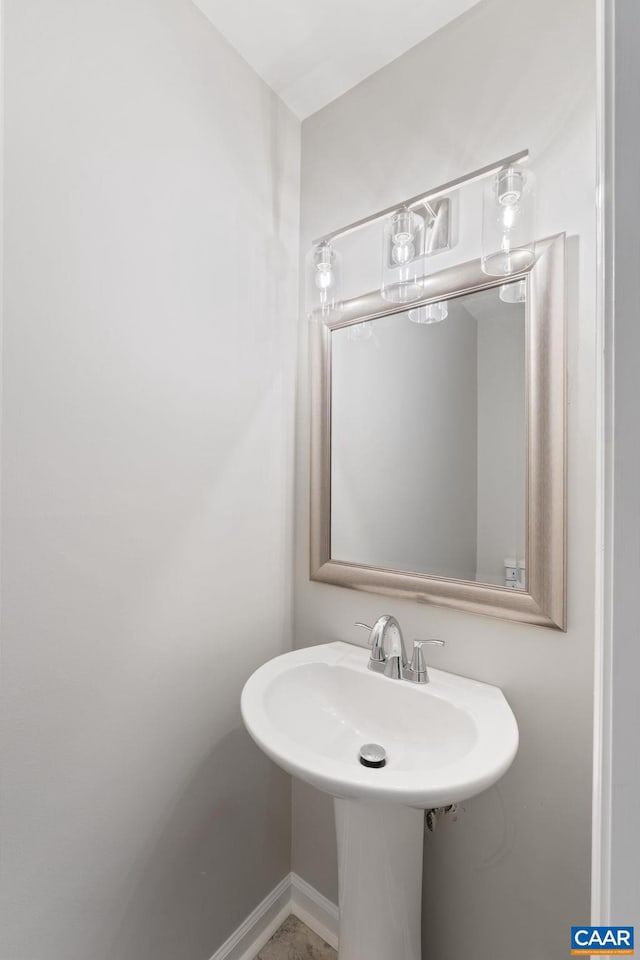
x: 312, y: 710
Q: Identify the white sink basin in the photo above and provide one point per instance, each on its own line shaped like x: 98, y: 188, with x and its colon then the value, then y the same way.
x: 311, y: 710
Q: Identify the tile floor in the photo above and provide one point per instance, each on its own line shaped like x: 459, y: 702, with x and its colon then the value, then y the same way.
x: 294, y: 941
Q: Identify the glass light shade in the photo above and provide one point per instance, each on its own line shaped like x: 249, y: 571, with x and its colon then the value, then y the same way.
x: 430, y: 313
x: 360, y: 331
x: 508, y: 227
x: 514, y: 292
x: 323, y: 281
x: 403, y: 257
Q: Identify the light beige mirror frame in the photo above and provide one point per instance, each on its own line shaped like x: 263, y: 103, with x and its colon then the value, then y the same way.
x: 544, y: 600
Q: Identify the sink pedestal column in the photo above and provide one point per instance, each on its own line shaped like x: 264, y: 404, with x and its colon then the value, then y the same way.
x: 379, y: 880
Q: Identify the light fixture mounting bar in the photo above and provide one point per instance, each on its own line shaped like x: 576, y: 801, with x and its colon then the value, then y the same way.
x: 423, y: 198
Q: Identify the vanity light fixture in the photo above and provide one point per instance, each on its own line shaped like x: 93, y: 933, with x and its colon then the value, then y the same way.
x: 508, y: 232
x: 515, y: 292
x: 430, y: 313
x: 402, y: 256
x: 323, y: 270
x: 422, y: 226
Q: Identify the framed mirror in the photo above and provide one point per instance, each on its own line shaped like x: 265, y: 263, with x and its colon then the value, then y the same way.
x: 438, y: 443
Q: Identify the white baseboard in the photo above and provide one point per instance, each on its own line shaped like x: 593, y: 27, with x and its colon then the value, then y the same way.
x: 292, y: 895
x: 320, y: 914
x: 250, y: 937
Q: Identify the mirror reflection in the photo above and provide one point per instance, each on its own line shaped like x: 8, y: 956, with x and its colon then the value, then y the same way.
x: 428, y: 439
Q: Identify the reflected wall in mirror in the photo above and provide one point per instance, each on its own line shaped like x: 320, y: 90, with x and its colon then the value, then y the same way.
x: 428, y: 439
x: 438, y: 443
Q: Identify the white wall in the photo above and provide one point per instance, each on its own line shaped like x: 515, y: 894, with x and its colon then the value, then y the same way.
x: 512, y: 875
x: 151, y: 235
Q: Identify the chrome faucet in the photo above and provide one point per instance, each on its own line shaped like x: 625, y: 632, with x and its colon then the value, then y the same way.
x: 389, y: 654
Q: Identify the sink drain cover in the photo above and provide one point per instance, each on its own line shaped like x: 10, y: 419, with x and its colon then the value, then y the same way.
x: 373, y: 755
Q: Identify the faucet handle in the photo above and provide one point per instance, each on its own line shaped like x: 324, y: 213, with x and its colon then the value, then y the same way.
x: 375, y: 642
x: 418, y: 670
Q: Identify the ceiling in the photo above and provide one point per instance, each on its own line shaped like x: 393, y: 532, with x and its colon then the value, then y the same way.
x: 312, y: 51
